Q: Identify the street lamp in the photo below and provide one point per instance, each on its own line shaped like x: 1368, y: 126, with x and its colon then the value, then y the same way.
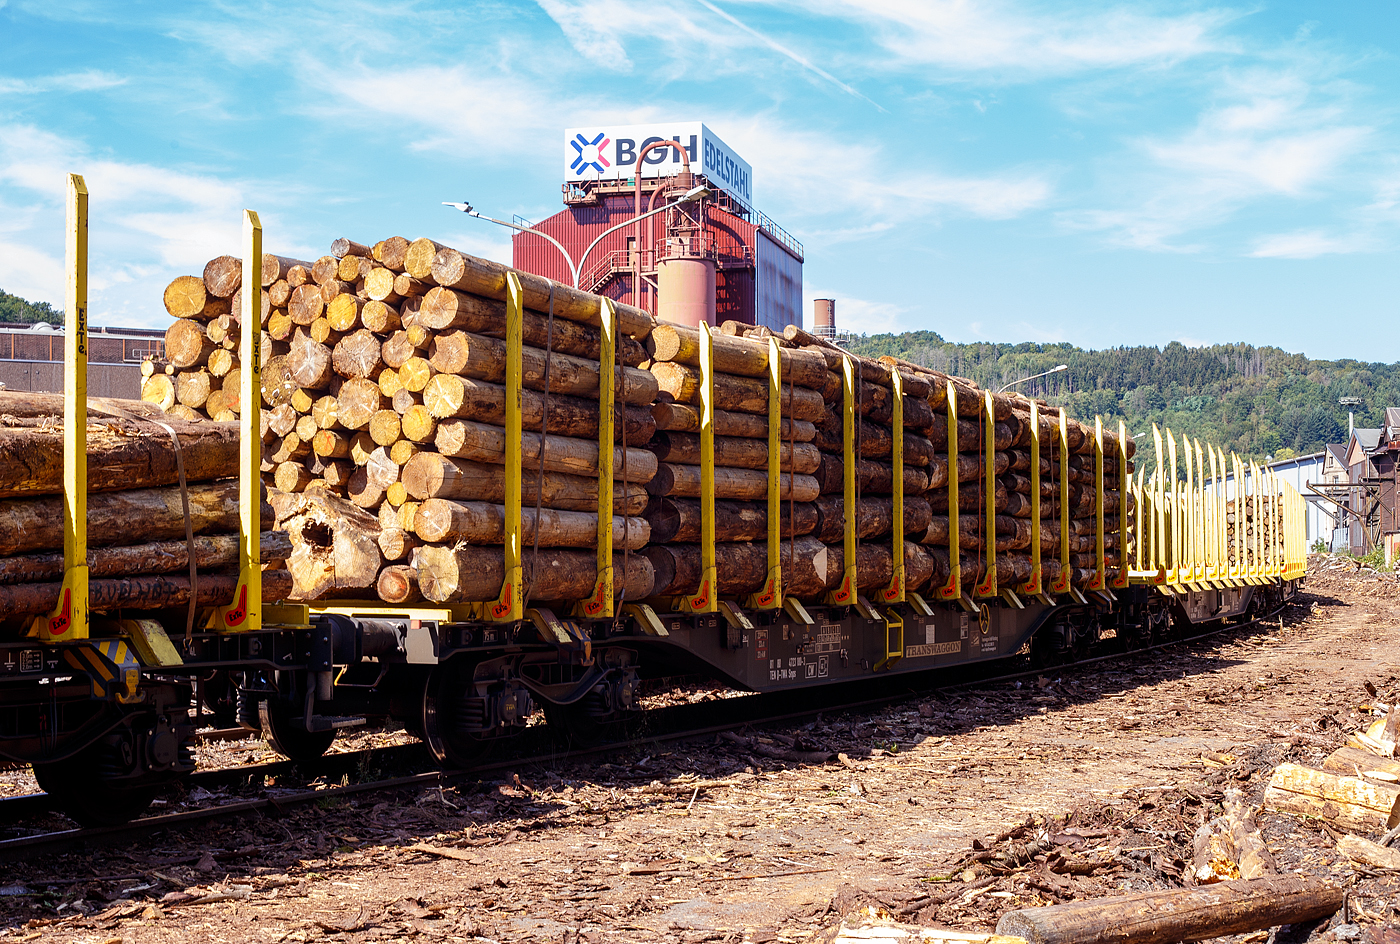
x: 690, y: 196
x: 1053, y: 370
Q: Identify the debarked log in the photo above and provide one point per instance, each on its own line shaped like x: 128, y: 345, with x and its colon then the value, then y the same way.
x: 439, y: 520
x: 466, y: 574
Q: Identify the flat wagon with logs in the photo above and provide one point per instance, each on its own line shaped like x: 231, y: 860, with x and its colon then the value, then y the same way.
x: 399, y: 481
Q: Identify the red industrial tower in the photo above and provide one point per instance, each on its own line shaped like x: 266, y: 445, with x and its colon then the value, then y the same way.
x: 712, y: 258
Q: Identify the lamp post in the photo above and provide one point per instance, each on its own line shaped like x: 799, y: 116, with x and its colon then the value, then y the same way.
x: 690, y: 196
x: 1044, y: 373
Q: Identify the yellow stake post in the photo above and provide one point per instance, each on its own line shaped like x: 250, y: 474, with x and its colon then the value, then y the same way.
x: 771, y: 596
x: 894, y: 593
x: 70, y: 619
x: 1097, y: 582
x: 1124, y: 490
x: 244, y: 614
x: 1033, y: 585
x: 988, y: 586
x: 706, y: 597
x: 1062, y: 583
x: 952, y: 590
x: 509, y: 607
x: 601, y: 601
x: 845, y: 593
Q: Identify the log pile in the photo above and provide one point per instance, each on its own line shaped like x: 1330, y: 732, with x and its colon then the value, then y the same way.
x: 384, y: 403
x: 383, y: 391
x: 133, y: 476
x: 742, y: 352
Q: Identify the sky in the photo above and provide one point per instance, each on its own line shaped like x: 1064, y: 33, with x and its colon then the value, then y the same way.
x: 1098, y: 173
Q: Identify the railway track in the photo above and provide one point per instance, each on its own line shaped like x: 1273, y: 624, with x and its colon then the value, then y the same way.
x: 679, y: 723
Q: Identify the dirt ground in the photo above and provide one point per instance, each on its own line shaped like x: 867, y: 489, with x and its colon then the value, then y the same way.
x: 949, y: 810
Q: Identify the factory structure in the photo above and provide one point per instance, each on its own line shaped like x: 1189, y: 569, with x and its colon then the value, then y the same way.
x: 705, y: 252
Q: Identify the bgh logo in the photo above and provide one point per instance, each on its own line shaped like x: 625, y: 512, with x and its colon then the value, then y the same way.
x: 590, y: 153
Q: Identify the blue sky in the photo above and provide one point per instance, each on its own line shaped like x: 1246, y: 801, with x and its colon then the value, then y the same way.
x: 1097, y: 173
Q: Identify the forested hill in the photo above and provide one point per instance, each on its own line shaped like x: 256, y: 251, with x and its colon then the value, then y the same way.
x: 15, y: 310
x: 1256, y: 401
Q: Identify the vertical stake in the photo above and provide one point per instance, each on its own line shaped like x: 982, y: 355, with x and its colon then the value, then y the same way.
x: 706, y: 597
x: 509, y: 607
x: 894, y: 593
x: 244, y: 614
x: 1033, y: 585
x: 952, y: 590
x: 988, y: 586
x: 771, y: 596
x: 70, y: 619
x: 845, y: 594
x: 1062, y: 583
x: 601, y: 601
x: 1124, y: 491
x: 1100, y: 567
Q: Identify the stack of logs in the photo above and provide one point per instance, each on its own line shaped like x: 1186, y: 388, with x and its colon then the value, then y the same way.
x: 384, y: 407
x: 1251, y: 532
x: 133, y: 477
x: 813, y: 365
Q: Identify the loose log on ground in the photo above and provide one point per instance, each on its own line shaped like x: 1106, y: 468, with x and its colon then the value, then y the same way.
x: 1350, y: 760
x: 678, y: 520
x: 482, y: 442
x: 736, y: 394
x: 445, y: 309
x: 440, y: 521
x: 1188, y: 914
x: 684, y: 418
x: 466, y: 573
x: 1369, y: 853
x: 483, y: 358
x: 31, y: 524
x: 1251, y: 852
x: 447, y: 396
x: 1349, y: 802
x: 736, y: 452
x: 683, y: 481
x: 453, y: 269
x: 429, y: 475
x: 160, y: 557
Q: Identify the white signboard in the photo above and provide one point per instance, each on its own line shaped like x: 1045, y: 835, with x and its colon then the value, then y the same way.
x: 609, y: 152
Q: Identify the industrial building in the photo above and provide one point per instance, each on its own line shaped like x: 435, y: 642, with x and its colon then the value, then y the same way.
x: 31, y: 358
x: 707, y: 255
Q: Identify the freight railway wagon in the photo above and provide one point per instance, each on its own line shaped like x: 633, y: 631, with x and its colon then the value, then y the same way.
x: 680, y: 510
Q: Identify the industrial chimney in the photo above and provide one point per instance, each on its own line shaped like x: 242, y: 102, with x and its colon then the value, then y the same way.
x: 824, y: 317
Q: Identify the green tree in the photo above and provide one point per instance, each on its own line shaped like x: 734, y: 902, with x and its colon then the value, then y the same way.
x: 15, y: 310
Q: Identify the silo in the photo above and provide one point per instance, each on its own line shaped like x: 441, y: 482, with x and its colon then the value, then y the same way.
x: 824, y: 317
x: 685, y: 291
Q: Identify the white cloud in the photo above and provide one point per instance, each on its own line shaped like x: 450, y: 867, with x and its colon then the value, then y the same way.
x: 1308, y: 244
x: 90, y: 80
x: 978, y: 37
